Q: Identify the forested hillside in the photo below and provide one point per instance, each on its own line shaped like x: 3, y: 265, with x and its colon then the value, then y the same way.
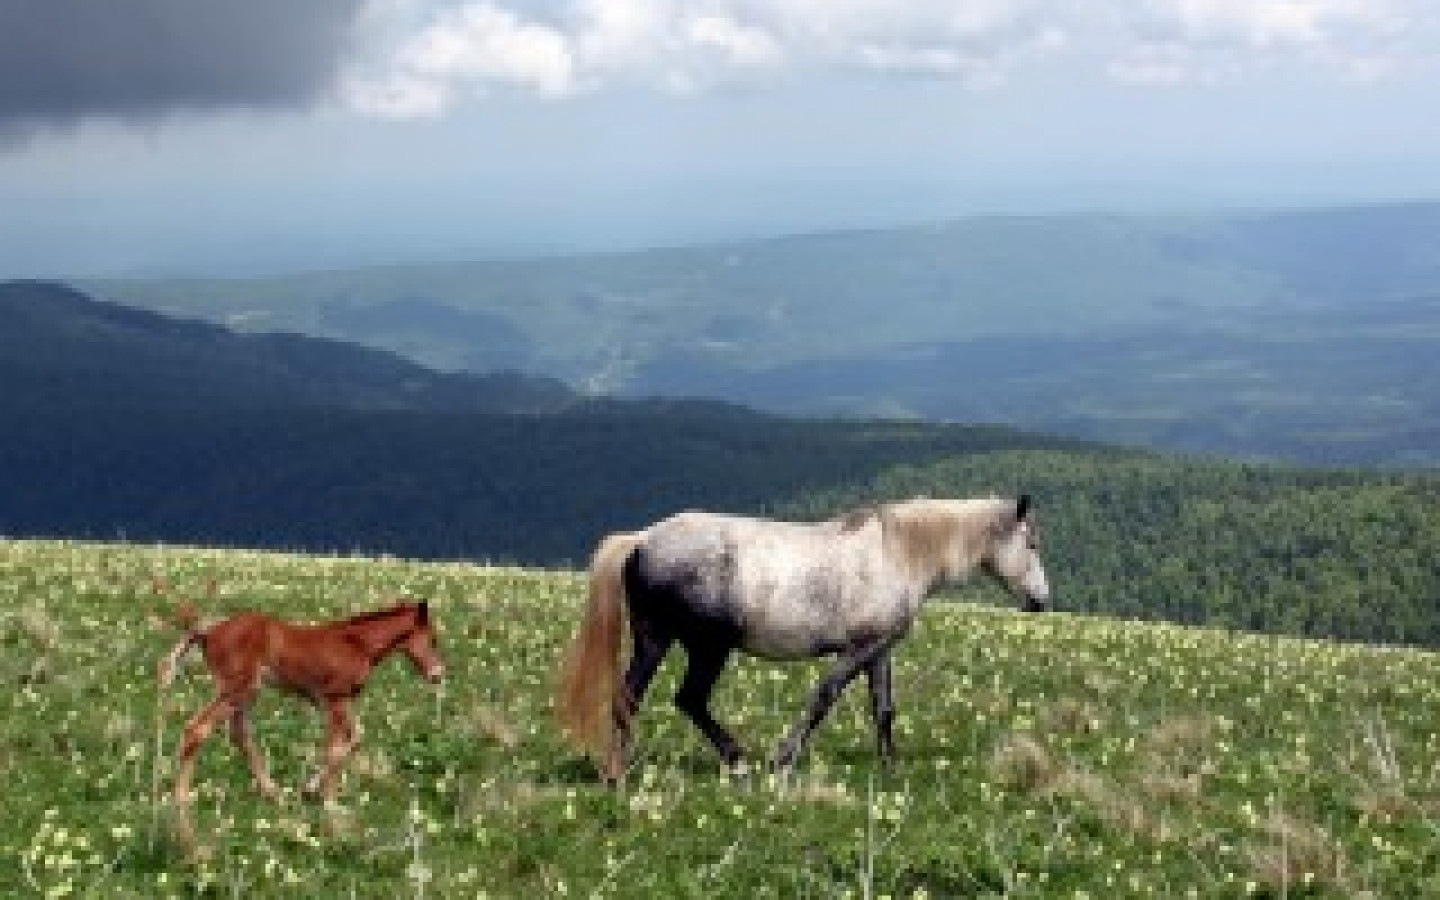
x: 533, y: 489
x: 1339, y: 553
x: 149, y: 430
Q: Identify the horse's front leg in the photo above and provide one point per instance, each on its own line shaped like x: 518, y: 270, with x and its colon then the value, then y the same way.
x: 850, y: 664
x: 339, y: 740
x: 882, y: 706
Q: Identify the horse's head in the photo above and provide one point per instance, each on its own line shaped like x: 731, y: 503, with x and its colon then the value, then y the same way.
x: 1014, y: 556
x: 420, y: 646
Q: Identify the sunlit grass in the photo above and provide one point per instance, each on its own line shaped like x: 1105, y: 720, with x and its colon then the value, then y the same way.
x: 1048, y: 755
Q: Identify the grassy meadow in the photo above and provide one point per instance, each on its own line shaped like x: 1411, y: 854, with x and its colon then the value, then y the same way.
x: 1039, y: 756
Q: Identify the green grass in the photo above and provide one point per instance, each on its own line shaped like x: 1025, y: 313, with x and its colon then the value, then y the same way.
x: 1042, y: 756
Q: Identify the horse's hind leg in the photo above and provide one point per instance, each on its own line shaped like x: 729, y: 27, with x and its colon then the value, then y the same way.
x: 882, y: 706
x: 702, y: 671
x: 245, y: 742
x: 197, y: 730
x: 650, y: 647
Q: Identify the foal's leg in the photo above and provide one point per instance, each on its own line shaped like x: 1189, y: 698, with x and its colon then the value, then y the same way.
x: 693, y: 699
x: 882, y: 706
x: 245, y: 741
x: 339, y: 740
x: 650, y: 647
x: 824, y: 697
x: 197, y: 730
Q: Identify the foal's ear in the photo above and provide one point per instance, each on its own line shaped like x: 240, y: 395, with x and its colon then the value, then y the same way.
x: 1022, y: 507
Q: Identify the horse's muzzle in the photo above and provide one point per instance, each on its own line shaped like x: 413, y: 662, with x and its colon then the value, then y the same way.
x: 1035, y: 604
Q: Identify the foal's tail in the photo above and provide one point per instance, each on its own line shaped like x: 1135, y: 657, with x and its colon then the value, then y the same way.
x: 590, y: 678
x: 187, y: 618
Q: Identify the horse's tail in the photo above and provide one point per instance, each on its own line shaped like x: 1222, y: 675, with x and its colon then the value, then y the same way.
x: 590, y: 677
x: 187, y: 618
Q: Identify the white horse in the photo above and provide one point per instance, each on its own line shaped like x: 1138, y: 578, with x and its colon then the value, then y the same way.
x: 850, y: 586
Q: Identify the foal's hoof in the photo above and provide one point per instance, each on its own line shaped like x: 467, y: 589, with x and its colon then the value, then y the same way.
x: 612, y: 773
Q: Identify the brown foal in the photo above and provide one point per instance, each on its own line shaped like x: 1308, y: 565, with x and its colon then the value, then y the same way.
x: 326, y: 664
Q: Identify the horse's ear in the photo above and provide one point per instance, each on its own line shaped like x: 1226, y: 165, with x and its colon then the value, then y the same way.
x: 1022, y: 507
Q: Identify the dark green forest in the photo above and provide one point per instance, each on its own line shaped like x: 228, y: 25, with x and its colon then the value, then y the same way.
x: 534, y: 489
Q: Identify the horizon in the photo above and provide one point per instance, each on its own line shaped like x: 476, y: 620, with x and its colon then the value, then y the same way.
x: 276, y: 269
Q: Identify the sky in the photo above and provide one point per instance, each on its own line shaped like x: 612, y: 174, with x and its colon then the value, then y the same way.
x: 233, y: 137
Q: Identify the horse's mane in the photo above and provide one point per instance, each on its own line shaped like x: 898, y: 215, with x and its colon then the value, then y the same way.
x: 924, y: 532
x: 378, y: 614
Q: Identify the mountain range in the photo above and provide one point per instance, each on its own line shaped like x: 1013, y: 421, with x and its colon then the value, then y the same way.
x: 1306, y: 336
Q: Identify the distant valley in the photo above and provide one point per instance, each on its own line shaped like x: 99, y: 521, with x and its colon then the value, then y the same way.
x: 1305, y: 336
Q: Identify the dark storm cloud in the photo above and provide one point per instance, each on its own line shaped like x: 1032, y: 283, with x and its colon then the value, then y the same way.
x: 63, y: 61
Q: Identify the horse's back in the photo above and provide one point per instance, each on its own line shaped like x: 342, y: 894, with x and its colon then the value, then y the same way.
x: 715, y: 547
x: 790, y: 589
x: 237, y: 647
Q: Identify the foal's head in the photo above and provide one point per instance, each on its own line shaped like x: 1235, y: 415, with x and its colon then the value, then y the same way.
x: 1014, y: 556
x: 419, y: 645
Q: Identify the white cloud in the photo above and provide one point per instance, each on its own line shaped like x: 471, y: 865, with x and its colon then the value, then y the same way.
x: 737, y: 45
x: 448, y: 49
x: 1198, y: 41
x: 475, y: 46
x: 1271, y: 23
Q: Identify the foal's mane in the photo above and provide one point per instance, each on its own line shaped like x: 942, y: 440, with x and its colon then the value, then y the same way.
x: 387, y: 613
x: 422, y: 619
